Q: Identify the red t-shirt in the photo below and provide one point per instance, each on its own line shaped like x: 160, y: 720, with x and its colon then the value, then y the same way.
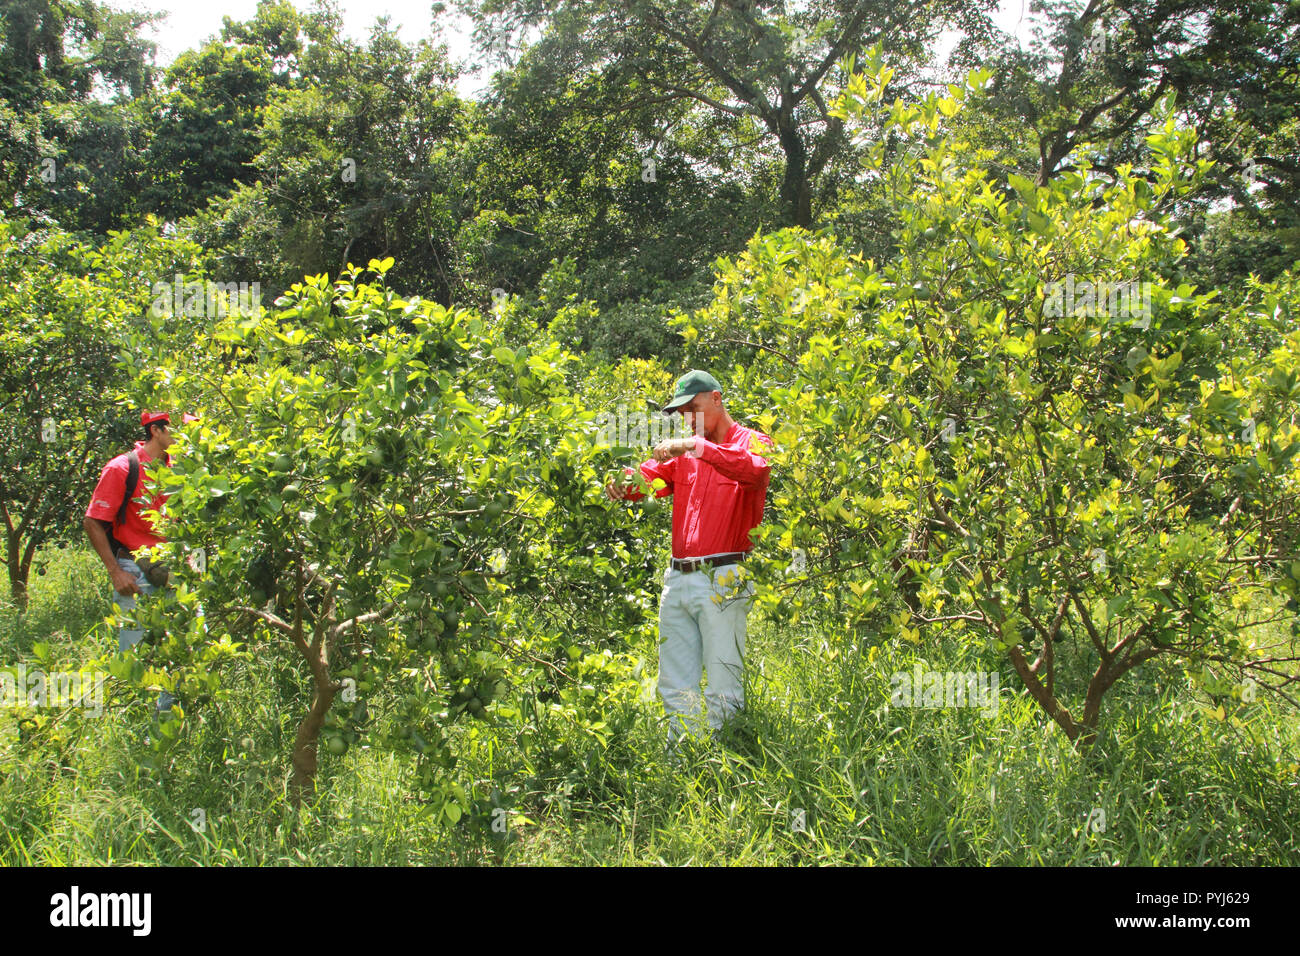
x: 718, y: 496
x: 137, y: 531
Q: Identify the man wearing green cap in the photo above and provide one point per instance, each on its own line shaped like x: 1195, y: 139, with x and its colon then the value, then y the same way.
x: 718, y: 478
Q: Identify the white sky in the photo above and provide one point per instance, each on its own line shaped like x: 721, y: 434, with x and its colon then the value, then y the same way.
x: 189, y: 23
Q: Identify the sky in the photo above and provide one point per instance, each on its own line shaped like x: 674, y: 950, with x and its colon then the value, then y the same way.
x: 189, y: 23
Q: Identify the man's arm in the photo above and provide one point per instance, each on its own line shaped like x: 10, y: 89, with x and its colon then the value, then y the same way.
x: 742, y: 465
x: 123, y: 581
x: 107, y: 497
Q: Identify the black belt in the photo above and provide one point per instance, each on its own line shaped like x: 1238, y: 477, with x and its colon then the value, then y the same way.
x: 687, y: 565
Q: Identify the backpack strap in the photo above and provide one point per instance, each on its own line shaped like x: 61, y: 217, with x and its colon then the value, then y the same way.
x: 132, y: 476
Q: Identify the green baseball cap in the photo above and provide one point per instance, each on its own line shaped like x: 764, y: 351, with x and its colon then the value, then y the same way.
x: 690, y: 385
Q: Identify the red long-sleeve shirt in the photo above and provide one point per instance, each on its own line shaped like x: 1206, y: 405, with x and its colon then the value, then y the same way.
x: 138, y: 531
x: 718, y: 496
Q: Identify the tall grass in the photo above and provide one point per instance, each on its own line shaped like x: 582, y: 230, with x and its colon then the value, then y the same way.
x: 819, y: 769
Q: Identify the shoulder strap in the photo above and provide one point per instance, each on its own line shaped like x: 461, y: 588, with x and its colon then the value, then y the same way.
x: 132, y: 476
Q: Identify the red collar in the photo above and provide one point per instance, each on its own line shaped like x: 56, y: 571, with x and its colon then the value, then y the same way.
x: 143, y: 456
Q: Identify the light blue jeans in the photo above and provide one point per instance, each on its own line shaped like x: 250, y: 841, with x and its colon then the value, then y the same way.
x: 702, y: 619
x: 129, y: 637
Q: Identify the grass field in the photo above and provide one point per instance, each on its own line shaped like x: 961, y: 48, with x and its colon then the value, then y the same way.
x: 819, y: 770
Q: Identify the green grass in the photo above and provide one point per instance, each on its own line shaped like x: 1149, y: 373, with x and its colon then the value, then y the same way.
x: 871, y: 784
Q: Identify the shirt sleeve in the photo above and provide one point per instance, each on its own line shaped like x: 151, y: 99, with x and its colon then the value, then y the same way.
x: 650, y: 470
x: 108, y: 494
x: 742, y: 465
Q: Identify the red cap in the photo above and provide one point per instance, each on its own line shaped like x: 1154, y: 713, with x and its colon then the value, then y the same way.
x: 148, y: 418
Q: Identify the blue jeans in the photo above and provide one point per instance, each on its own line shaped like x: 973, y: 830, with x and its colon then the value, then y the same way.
x: 129, y: 637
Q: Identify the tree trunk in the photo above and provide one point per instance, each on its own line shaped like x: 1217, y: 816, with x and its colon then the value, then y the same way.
x: 303, y: 782
x: 1049, y: 702
x: 796, y: 193
x: 18, y: 571
x: 18, y: 591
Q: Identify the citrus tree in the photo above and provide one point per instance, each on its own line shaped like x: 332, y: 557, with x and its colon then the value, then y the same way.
x: 1022, y: 428
x: 381, y: 489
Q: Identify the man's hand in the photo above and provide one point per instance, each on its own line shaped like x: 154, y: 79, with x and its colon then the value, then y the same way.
x: 124, y: 582
x: 672, y: 447
x: 618, y: 491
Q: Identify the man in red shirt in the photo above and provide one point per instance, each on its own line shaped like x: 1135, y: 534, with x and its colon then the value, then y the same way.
x: 136, y: 532
x: 718, y: 478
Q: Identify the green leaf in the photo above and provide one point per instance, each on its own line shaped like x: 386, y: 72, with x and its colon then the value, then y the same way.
x: 1116, y: 605
x: 1028, y: 191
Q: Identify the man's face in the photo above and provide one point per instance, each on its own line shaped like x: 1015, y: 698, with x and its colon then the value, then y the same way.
x: 163, y: 434
x: 701, y: 412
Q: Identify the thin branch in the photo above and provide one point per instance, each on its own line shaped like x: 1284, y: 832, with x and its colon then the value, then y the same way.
x: 759, y: 345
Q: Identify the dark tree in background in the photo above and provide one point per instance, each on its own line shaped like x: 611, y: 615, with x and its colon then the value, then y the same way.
x: 773, y: 64
x: 1093, y: 74
x: 54, y: 56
